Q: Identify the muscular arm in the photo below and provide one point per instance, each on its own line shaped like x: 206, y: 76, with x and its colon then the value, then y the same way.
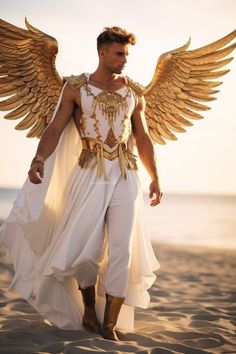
x: 145, y: 149
x: 52, y: 133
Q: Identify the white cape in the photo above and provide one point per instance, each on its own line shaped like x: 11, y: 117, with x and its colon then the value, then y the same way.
x: 28, y: 232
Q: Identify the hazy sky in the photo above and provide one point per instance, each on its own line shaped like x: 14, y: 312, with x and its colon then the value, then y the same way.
x: 202, y: 159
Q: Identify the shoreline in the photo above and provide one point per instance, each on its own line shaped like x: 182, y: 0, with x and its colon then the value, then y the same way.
x: 193, y: 248
x: 185, y: 246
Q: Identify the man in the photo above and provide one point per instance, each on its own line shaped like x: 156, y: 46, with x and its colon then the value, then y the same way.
x: 107, y: 109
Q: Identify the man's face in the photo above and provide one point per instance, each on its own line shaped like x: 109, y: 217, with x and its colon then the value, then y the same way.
x: 114, y: 57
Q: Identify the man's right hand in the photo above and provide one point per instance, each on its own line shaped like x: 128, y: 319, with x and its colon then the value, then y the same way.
x: 36, y: 167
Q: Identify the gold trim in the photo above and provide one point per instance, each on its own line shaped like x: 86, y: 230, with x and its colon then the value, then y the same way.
x: 135, y: 86
x: 76, y: 82
x: 91, y: 144
x: 93, y: 153
x: 110, y: 140
x: 109, y: 103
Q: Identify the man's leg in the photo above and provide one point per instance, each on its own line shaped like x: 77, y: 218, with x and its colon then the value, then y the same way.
x: 120, y: 218
x: 86, y: 276
x: 91, y: 226
x: 90, y: 321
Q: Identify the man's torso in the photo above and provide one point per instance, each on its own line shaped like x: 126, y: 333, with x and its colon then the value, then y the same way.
x: 104, y: 114
x: 103, y: 120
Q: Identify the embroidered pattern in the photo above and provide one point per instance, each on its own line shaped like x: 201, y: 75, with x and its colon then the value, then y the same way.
x: 111, y: 139
x: 76, y: 82
x: 136, y: 87
x: 93, y: 154
x: 82, y: 123
x: 110, y: 104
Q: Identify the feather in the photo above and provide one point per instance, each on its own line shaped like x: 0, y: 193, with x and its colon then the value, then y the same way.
x: 28, y: 74
x: 181, y: 81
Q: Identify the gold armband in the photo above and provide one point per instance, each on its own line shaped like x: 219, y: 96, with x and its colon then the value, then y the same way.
x: 37, y: 158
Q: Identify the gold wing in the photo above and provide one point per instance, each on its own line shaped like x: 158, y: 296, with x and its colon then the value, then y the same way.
x: 28, y: 75
x: 181, y: 80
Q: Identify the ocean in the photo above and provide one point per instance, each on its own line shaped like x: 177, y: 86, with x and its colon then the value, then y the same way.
x: 200, y: 220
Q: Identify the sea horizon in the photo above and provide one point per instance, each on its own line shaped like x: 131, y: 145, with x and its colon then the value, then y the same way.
x: 193, y: 219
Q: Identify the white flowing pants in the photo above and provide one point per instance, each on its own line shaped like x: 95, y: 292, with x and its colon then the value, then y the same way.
x: 74, y: 225
x: 118, y: 218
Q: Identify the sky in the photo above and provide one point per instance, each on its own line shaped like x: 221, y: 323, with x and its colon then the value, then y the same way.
x: 202, y: 160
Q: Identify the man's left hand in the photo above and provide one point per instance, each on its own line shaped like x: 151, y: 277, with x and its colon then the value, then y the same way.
x: 154, y: 188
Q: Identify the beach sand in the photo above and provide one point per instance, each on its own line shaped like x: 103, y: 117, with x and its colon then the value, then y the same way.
x: 192, y: 310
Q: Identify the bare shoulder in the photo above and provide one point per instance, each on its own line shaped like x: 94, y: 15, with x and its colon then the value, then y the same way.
x: 139, y: 108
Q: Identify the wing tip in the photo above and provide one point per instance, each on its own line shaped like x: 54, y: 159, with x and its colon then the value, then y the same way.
x: 32, y: 29
x: 27, y: 24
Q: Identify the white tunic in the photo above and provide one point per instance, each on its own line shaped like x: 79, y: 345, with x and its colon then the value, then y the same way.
x: 95, y: 100
x: 44, y: 232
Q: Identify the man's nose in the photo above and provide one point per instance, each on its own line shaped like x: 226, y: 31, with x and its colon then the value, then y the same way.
x: 124, y: 60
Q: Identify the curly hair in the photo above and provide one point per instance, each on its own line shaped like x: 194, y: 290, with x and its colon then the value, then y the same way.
x: 115, y: 34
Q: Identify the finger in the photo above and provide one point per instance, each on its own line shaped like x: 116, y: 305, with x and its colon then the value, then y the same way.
x: 41, y: 171
x: 34, y: 178
x: 154, y: 200
x: 35, y: 181
x: 157, y: 200
x: 154, y: 203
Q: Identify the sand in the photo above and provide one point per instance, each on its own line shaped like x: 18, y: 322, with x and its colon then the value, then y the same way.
x: 192, y: 310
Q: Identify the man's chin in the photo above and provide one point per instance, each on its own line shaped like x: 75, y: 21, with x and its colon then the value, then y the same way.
x: 118, y: 71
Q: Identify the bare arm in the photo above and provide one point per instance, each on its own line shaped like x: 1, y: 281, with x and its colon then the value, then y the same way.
x: 146, y: 150
x: 52, y: 133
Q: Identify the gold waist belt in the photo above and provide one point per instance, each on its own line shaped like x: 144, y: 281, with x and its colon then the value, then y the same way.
x: 93, y: 153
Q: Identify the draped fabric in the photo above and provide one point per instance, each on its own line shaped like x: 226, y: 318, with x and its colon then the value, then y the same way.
x: 36, y: 237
